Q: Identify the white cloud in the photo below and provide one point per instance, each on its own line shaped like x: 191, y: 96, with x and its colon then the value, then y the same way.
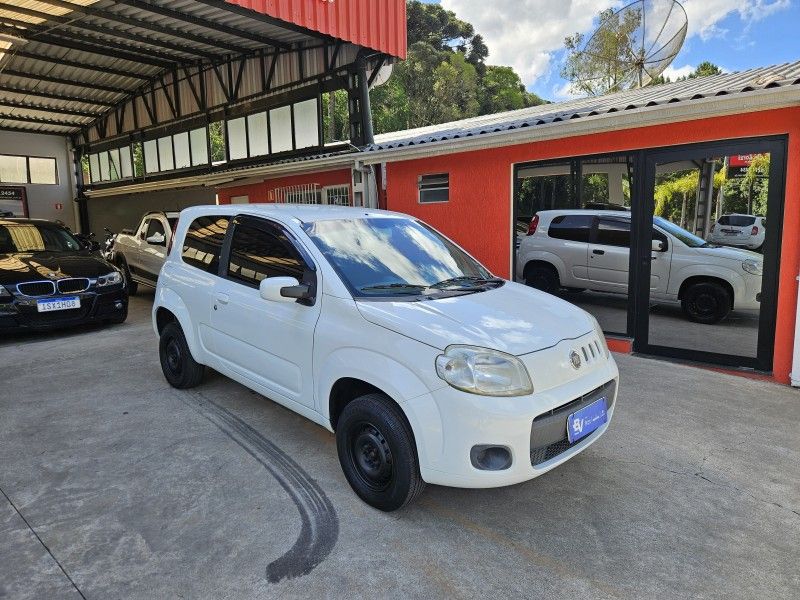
x: 526, y: 34
x: 673, y: 73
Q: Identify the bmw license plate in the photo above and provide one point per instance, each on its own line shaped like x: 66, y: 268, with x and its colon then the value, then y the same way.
x: 52, y: 304
x: 583, y: 422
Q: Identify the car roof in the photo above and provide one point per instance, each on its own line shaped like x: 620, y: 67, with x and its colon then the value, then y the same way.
x: 304, y: 213
x: 585, y: 211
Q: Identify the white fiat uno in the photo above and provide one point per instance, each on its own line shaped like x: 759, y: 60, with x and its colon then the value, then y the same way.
x: 378, y: 328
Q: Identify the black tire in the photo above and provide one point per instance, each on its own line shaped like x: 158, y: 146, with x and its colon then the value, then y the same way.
x: 180, y: 368
x: 121, y: 318
x: 706, y: 303
x: 122, y: 264
x: 542, y: 277
x: 377, y: 453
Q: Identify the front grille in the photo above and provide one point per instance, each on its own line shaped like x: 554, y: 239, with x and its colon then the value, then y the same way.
x: 37, y: 288
x: 72, y: 286
x: 591, y: 352
x: 549, y: 430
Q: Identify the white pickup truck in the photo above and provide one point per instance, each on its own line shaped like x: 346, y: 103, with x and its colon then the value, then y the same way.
x: 140, y: 254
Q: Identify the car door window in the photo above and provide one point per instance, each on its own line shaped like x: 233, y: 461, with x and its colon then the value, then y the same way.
x: 613, y: 232
x: 575, y: 228
x: 155, y: 227
x: 260, y: 252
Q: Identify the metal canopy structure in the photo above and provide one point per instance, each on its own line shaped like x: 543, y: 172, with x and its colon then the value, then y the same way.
x: 98, y: 69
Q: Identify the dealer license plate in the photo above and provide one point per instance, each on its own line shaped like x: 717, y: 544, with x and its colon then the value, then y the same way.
x: 583, y: 422
x: 52, y: 304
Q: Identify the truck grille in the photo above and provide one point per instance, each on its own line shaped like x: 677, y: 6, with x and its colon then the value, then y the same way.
x: 37, y: 288
x: 72, y: 286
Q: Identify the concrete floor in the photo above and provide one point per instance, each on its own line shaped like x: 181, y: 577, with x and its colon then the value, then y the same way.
x: 116, y: 486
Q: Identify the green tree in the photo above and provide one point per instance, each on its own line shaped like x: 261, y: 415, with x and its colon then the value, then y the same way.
x: 603, y: 66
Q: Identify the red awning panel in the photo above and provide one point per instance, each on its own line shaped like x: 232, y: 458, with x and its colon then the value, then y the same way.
x: 376, y: 24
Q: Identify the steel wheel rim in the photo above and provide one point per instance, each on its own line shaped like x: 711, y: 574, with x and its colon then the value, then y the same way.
x: 371, y: 456
x: 173, y: 356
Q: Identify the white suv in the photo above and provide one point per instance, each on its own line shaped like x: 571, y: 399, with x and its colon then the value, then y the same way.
x: 375, y: 326
x: 589, y: 249
x: 747, y: 231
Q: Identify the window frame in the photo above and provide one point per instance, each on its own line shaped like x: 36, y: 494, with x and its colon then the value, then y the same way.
x: 27, y: 158
x: 420, y: 189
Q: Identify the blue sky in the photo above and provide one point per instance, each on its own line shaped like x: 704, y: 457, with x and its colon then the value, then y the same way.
x: 529, y: 34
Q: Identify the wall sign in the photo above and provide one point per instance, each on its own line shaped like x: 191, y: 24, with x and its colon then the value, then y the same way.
x: 13, y: 201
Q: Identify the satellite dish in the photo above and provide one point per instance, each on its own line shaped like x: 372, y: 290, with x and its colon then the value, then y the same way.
x: 654, y: 32
x: 384, y: 73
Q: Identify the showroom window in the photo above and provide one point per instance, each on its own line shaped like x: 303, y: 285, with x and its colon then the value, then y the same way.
x: 28, y: 169
x: 203, y: 243
x: 257, y: 254
x: 434, y: 188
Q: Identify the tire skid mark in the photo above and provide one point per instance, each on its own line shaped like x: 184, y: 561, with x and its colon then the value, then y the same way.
x: 320, y: 524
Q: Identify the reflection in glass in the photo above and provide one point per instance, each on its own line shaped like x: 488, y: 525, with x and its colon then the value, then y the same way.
x: 593, y: 252
x: 706, y: 282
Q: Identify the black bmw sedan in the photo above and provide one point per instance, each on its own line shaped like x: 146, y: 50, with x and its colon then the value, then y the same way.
x: 49, y: 278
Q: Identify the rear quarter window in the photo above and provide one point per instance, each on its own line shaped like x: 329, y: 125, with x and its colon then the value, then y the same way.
x: 202, y: 245
x: 575, y: 228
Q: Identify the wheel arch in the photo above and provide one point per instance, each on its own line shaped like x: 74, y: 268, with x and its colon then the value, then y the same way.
x: 694, y: 279
x: 169, y: 307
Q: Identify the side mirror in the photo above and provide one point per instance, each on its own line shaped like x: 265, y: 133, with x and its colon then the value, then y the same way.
x: 157, y: 239
x: 659, y: 246
x: 283, y: 289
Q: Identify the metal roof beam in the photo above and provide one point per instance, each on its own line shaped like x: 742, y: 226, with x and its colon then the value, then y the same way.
x: 47, y: 109
x: 38, y: 121
x: 98, y: 47
x: 60, y: 80
x: 64, y: 97
x: 205, y: 23
x: 91, y: 11
x: 102, y: 30
x: 76, y: 64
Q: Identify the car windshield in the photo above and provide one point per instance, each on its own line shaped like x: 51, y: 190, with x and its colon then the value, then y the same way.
x: 684, y: 236
x: 36, y: 237
x: 388, y: 257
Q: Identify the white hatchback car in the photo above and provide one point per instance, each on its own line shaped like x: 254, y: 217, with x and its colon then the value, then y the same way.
x: 375, y: 326
x: 590, y: 249
x: 746, y: 231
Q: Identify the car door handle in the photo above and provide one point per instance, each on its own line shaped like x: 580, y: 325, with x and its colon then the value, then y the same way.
x: 223, y: 298
x: 598, y: 252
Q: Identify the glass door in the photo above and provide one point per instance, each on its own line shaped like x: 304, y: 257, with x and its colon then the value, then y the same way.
x: 707, y: 255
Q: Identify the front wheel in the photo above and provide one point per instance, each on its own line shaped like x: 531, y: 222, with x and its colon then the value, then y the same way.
x: 180, y: 368
x: 377, y: 453
x: 706, y: 303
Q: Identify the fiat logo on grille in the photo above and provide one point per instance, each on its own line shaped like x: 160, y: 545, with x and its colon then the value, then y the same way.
x: 575, y: 359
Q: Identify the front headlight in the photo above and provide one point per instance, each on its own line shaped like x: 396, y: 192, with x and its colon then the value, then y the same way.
x: 754, y: 267
x: 483, y: 371
x: 601, y: 336
x: 112, y: 278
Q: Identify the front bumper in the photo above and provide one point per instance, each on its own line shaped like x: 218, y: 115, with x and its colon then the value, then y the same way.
x: 466, y: 421
x: 21, y: 312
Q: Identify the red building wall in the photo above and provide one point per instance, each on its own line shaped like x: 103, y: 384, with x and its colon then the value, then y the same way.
x: 376, y: 24
x: 259, y: 192
x: 478, y: 215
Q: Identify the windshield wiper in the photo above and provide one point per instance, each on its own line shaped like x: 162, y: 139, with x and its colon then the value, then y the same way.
x: 411, y: 287
x: 475, y: 280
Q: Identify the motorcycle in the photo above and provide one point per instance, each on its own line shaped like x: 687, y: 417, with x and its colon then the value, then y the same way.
x: 108, y: 245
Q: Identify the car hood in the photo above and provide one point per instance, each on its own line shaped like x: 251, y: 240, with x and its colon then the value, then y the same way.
x: 512, y: 318
x: 36, y: 266
x: 731, y: 253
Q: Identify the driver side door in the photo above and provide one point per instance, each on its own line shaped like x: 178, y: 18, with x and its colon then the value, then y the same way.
x: 269, y: 343
x: 152, y: 249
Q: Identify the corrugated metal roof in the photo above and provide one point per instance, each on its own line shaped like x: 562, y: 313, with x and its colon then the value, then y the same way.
x: 65, y: 62
x: 718, y: 85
